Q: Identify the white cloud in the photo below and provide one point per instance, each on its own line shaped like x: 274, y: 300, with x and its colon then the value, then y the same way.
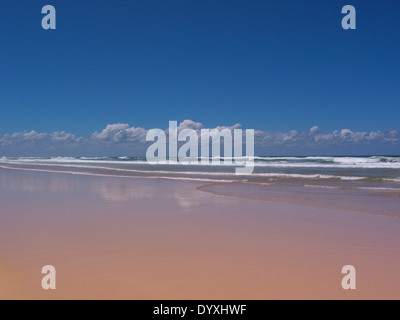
x: 190, y: 124
x: 314, y: 137
x: 121, y: 132
x: 314, y: 130
x: 34, y: 137
x: 118, y: 136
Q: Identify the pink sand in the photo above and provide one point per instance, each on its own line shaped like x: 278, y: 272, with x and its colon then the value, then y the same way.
x: 127, y: 238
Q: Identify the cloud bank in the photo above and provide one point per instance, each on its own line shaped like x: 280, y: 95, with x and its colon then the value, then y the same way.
x: 335, y: 138
x: 123, y: 139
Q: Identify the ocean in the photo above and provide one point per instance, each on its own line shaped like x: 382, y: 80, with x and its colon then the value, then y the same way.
x: 371, y: 169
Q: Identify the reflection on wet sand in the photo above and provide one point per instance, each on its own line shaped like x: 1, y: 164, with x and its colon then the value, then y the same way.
x: 109, y: 188
x: 124, y: 238
x: 31, y: 182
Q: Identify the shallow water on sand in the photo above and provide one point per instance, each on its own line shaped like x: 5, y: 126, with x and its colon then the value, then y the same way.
x: 116, y: 237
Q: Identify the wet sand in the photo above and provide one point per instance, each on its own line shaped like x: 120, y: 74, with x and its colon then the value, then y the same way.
x: 136, y: 238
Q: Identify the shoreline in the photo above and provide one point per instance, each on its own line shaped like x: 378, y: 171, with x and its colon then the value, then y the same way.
x: 342, y: 169
x: 375, y: 190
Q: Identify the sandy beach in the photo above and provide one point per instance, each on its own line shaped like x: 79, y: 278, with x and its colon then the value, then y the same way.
x: 137, y: 238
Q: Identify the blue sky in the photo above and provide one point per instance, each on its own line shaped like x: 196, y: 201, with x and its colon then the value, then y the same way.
x: 268, y: 65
